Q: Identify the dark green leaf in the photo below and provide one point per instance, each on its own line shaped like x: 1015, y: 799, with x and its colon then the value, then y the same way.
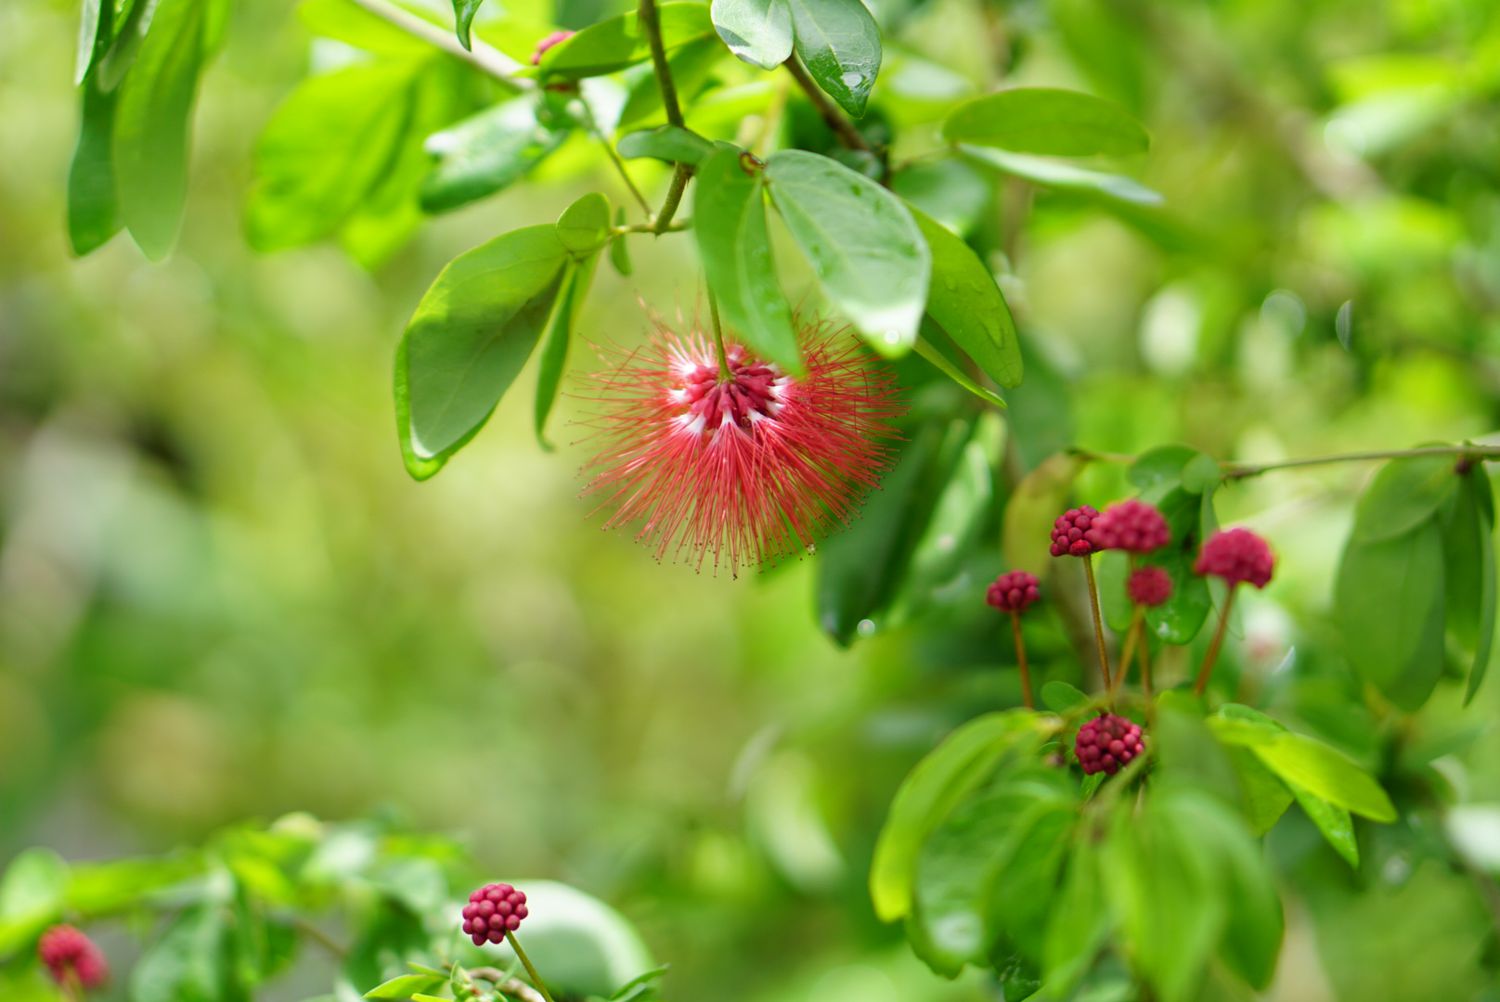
x: 152, y: 122
x: 1403, y: 495
x: 463, y: 20
x: 326, y: 148
x: 729, y: 221
x: 1469, y: 567
x: 1389, y: 603
x: 941, y: 781
x: 1334, y: 822
x: 583, y: 227
x: 757, y: 31
x: 486, y: 153
x: 619, y: 42
x: 839, y: 42
x: 927, y: 348
x: 619, y: 250
x: 1178, y: 620
x: 1048, y: 121
x: 671, y: 143
x: 472, y: 332
x: 559, y: 336
x: 861, y: 241
x: 965, y: 302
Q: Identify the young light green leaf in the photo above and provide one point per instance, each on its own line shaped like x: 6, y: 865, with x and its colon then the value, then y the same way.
x: 1334, y: 822
x: 757, y: 31
x: 152, y: 125
x: 32, y: 894
x: 554, y: 362
x: 406, y: 986
x: 965, y: 302
x: 839, y: 42
x: 1265, y: 797
x: 353, y: 25
x: 619, y: 250
x: 486, y: 153
x: 942, y: 780
x: 325, y: 149
x: 1032, y: 507
x: 729, y: 222
x: 93, y: 206
x: 472, y: 332
x: 91, y: 25
x: 1061, y: 697
x: 1305, y: 762
x: 463, y: 20
x: 671, y: 143
x: 618, y: 42
x: 583, y: 227
x: 1047, y: 121
x: 1389, y: 603
x: 861, y: 241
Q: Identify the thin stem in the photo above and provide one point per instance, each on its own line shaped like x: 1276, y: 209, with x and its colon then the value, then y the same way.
x: 1490, y: 453
x: 1213, y: 648
x: 1132, y: 641
x: 674, y: 198
x: 485, y: 58
x: 505, y: 984
x: 1088, y: 570
x: 312, y: 932
x: 536, y: 979
x: 841, y: 126
x: 725, y: 373
x: 1145, y: 655
x: 651, y: 25
x: 1015, y: 626
x: 614, y: 158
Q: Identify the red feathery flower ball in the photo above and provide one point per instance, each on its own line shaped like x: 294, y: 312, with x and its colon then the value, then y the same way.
x: 1131, y: 525
x: 1070, y: 532
x: 66, y: 951
x: 492, y: 911
x: 1013, y: 592
x: 1149, y: 586
x: 1236, y: 555
x: 742, y: 469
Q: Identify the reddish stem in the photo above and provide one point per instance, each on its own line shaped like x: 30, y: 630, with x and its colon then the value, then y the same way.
x: 1015, y: 627
x: 1088, y: 570
x: 1213, y: 647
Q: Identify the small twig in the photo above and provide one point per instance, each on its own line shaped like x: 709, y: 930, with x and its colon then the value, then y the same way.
x: 726, y: 374
x: 1088, y: 569
x: 614, y: 157
x: 318, y: 936
x: 651, y: 228
x: 1015, y: 626
x: 841, y: 126
x: 485, y: 58
x: 505, y: 984
x: 1488, y: 453
x: 651, y: 24
x: 669, y: 205
x: 1213, y: 648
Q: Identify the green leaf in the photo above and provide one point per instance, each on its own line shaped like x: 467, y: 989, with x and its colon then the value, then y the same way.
x: 1062, y: 697
x: 1079, y: 922
x: 325, y: 149
x: 729, y: 221
x: 941, y: 781
x: 1029, y: 866
x: 965, y: 302
x: 618, y: 42
x: 190, y: 962
x: 1048, y: 121
x: 1201, y: 473
x: 152, y: 122
x: 583, y: 228
x: 861, y: 241
x: 93, y: 206
x: 472, y: 332
x: 671, y: 143
x: 1305, y: 762
x: 1065, y: 177
x: 486, y: 153
x: 691, y: 67
x: 1033, y: 507
x: 1469, y: 566
x: 554, y: 362
x: 839, y: 42
x: 407, y: 985
x: 927, y: 349
x: 757, y: 31
x: 89, y: 31
x: 1178, y: 620
x: 1334, y: 822
x: 99, y: 889
x: 1162, y: 465
x: 1264, y: 796
x: 1403, y: 495
x: 344, y: 22
x: 619, y: 250
x: 463, y: 20
x: 1389, y: 604
x: 31, y: 896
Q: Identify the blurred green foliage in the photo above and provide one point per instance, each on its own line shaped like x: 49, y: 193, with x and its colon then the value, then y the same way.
x: 221, y: 597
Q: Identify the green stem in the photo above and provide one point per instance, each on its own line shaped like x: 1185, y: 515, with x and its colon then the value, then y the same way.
x: 841, y: 126
x: 536, y: 979
x: 1233, y: 470
x: 1015, y: 626
x: 1088, y: 570
x: 485, y: 58
x: 725, y: 373
x: 614, y: 158
x: 1213, y: 648
x: 673, y: 200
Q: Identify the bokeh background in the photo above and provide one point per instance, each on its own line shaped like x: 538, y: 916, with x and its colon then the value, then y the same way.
x: 221, y: 597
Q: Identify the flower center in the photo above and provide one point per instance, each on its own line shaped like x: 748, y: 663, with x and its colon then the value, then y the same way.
x: 753, y: 392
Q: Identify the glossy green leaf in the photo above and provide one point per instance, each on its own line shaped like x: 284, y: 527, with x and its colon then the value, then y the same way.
x: 1065, y: 176
x: 486, y: 153
x: 463, y: 20
x: 965, y: 302
x: 406, y: 986
x: 1047, y: 121
x: 1334, y: 822
x: 32, y: 894
x: 325, y: 149
x: 472, y: 332
x: 941, y: 781
x: 554, y: 361
x: 1031, y: 510
x: 93, y: 206
x: 670, y: 143
x: 618, y: 42
x: 1389, y: 603
x: 1403, y: 495
x: 1178, y: 620
x: 1305, y: 762
x: 757, y: 31
x: 839, y: 42
x: 1469, y: 565
x: 927, y: 348
x: 729, y: 222
x: 152, y: 125
x: 583, y: 227
x: 861, y: 241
